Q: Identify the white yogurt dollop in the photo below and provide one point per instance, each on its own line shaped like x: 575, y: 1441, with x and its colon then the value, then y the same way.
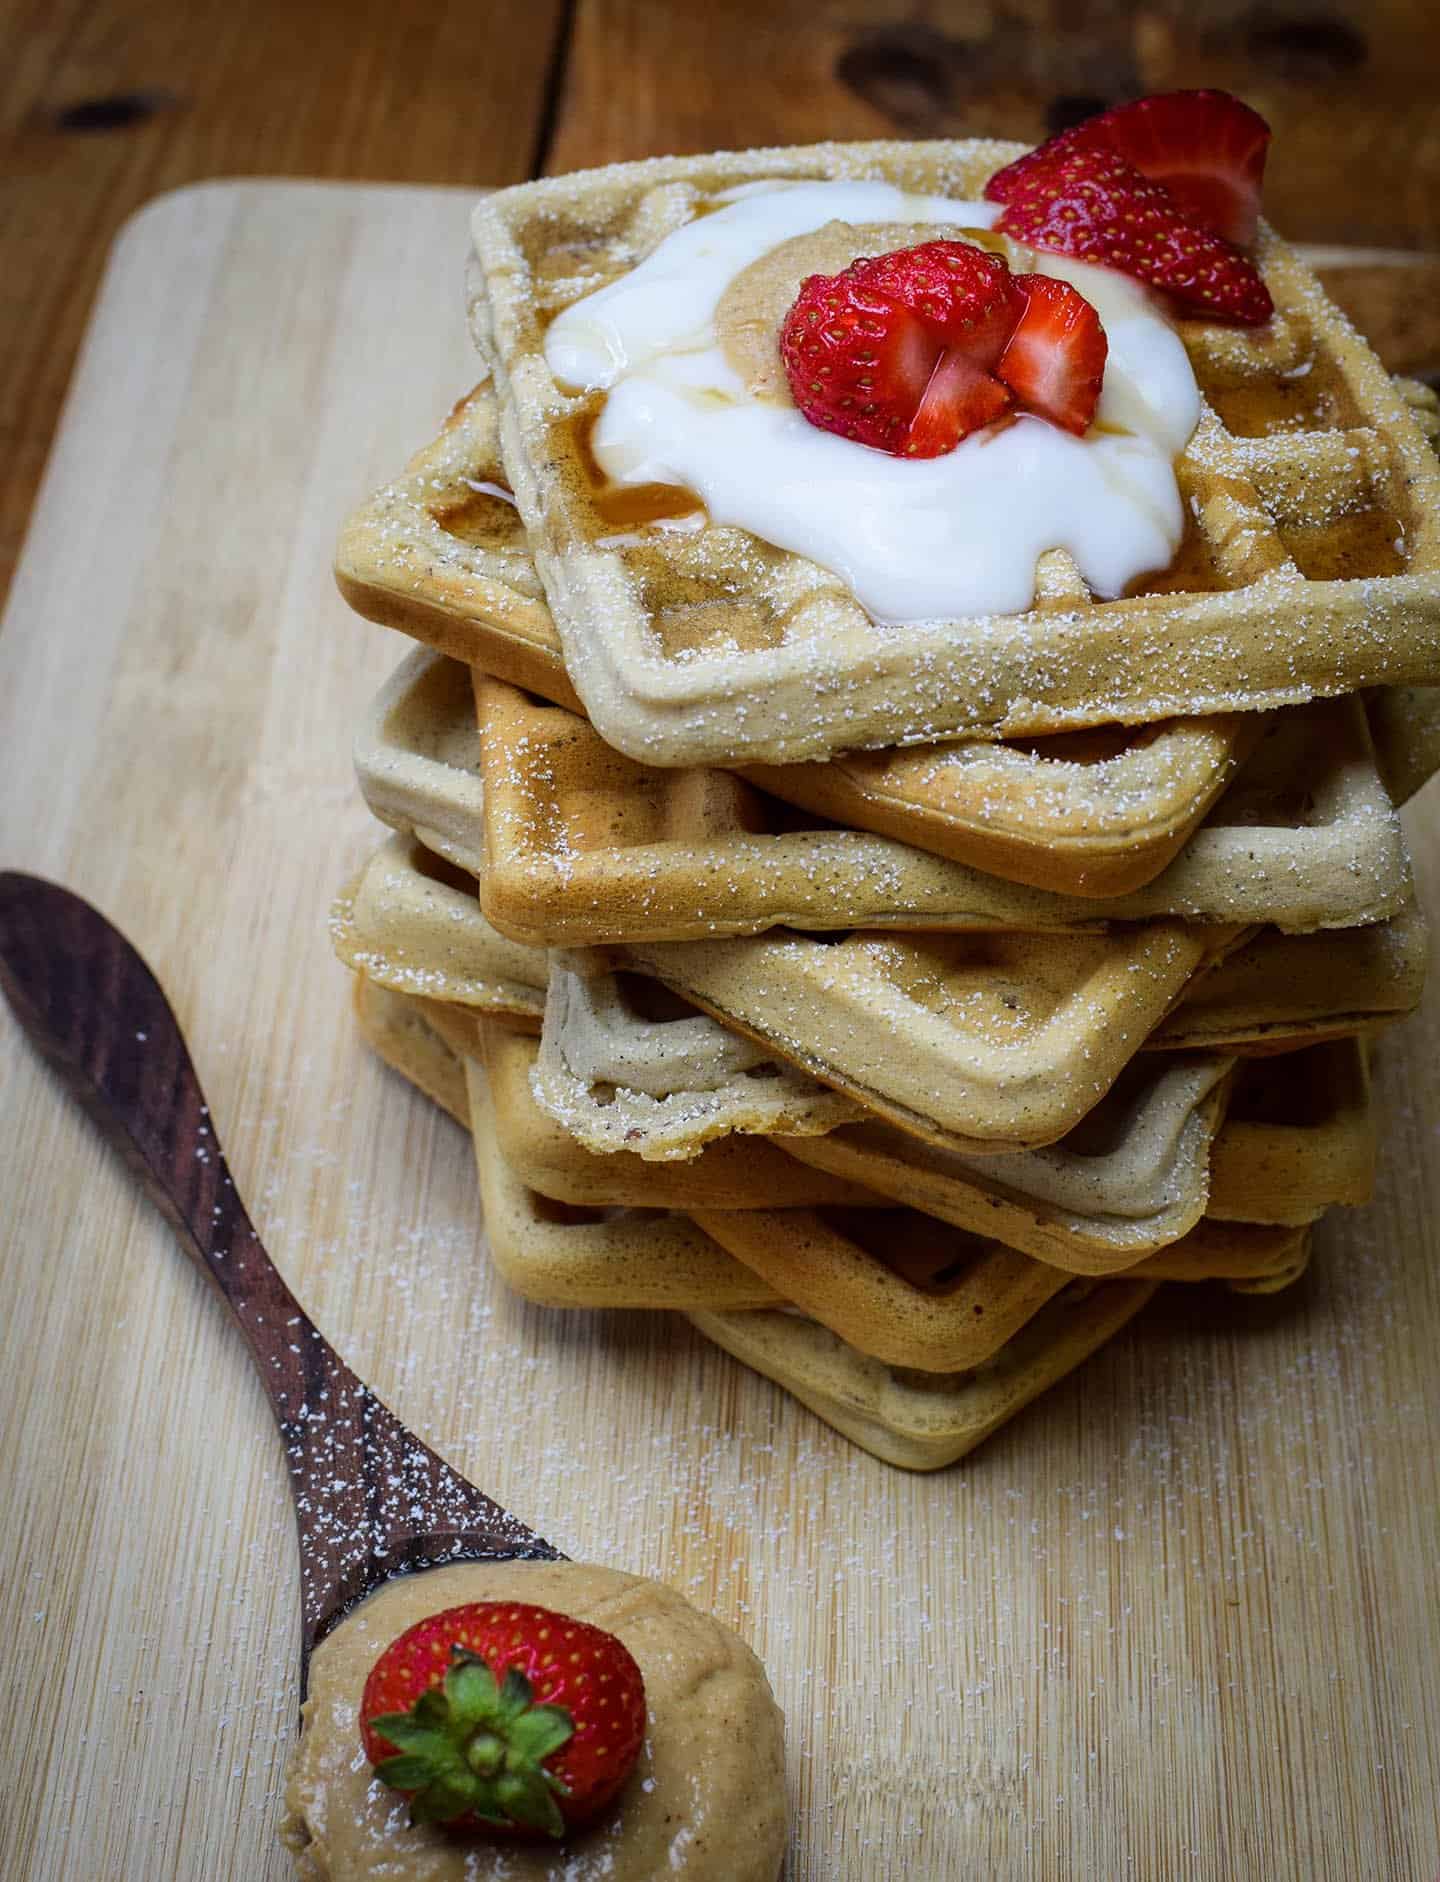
x: 913, y: 539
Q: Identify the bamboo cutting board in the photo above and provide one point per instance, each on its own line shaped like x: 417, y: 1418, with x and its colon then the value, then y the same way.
x: 1180, y: 1618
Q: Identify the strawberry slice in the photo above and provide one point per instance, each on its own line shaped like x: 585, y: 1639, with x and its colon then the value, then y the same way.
x: 1089, y: 202
x: 1206, y: 147
x: 1054, y: 362
x: 960, y: 398
x: 866, y: 349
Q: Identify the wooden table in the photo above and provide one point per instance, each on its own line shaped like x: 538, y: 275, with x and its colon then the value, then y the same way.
x: 107, y: 102
x: 1180, y: 1619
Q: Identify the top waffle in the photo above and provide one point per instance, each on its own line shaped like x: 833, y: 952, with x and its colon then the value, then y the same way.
x: 1313, y: 566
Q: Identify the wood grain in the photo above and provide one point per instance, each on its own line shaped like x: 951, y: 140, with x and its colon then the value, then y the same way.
x: 1178, y: 1619
x: 106, y: 103
x: 1348, y: 87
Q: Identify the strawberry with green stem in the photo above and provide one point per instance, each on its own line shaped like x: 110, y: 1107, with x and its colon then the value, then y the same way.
x: 504, y: 1718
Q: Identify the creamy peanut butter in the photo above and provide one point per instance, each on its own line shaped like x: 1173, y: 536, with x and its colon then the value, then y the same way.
x: 706, y: 1802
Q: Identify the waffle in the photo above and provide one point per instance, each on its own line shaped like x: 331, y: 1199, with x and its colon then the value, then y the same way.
x: 726, y: 1174
x: 1276, y: 992
x: 707, y: 645
x: 411, y: 922
x: 1100, y: 813
x: 920, y: 1420
x: 982, y: 1043
x: 417, y: 759
x: 892, y: 1277
x: 1405, y: 726
x: 418, y: 929
x: 624, y: 1069
x: 584, y: 846
x: 1131, y: 1178
x: 1299, y: 1135
x: 441, y: 554
x: 903, y: 1288
x: 401, y: 1029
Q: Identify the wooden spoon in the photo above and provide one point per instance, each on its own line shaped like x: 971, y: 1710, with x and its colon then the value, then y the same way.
x: 371, y: 1500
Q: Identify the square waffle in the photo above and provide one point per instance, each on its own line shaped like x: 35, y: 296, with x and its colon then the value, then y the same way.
x: 1300, y: 1138
x: 626, y: 1067
x: 1314, y: 566
x: 1132, y: 1177
x: 584, y: 846
x: 904, y: 1288
x: 410, y: 921
x: 983, y: 1043
x: 1299, y: 1135
x: 893, y: 1282
x: 1099, y: 813
x: 1277, y: 991
x: 727, y: 1174
x: 896, y: 1281
x: 925, y: 1420
x: 415, y: 926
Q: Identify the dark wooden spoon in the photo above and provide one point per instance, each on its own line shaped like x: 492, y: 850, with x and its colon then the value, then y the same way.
x: 371, y: 1501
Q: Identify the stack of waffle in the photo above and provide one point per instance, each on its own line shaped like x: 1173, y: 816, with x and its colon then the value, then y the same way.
x: 904, y: 1005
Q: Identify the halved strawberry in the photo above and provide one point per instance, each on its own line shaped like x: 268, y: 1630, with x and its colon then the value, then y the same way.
x: 868, y: 350
x: 1089, y: 202
x: 960, y: 398
x: 1206, y: 147
x: 1054, y: 362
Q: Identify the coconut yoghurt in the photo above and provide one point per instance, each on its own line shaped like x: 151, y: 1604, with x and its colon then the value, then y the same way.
x: 913, y: 539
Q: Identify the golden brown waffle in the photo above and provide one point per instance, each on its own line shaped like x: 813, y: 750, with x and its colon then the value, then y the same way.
x: 912, y: 1291
x: 1306, y: 471
x: 585, y: 846
x: 417, y: 759
x: 920, y: 1281
x: 728, y: 1174
x: 1405, y: 726
x: 441, y: 554
x: 983, y: 1043
x: 1131, y: 1178
x: 1098, y: 813
x: 402, y: 1029
x: 419, y: 929
x: 411, y: 922
x: 893, y: 1282
x: 1299, y: 1135
x: 625, y: 1066
x: 1276, y: 991
x: 925, y: 1420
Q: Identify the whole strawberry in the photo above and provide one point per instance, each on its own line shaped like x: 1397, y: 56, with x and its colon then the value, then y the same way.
x: 504, y: 1718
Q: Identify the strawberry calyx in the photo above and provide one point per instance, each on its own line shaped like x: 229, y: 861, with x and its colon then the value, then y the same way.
x: 473, y: 1748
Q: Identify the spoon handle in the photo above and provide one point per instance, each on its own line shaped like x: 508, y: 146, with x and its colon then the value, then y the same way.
x: 371, y: 1500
